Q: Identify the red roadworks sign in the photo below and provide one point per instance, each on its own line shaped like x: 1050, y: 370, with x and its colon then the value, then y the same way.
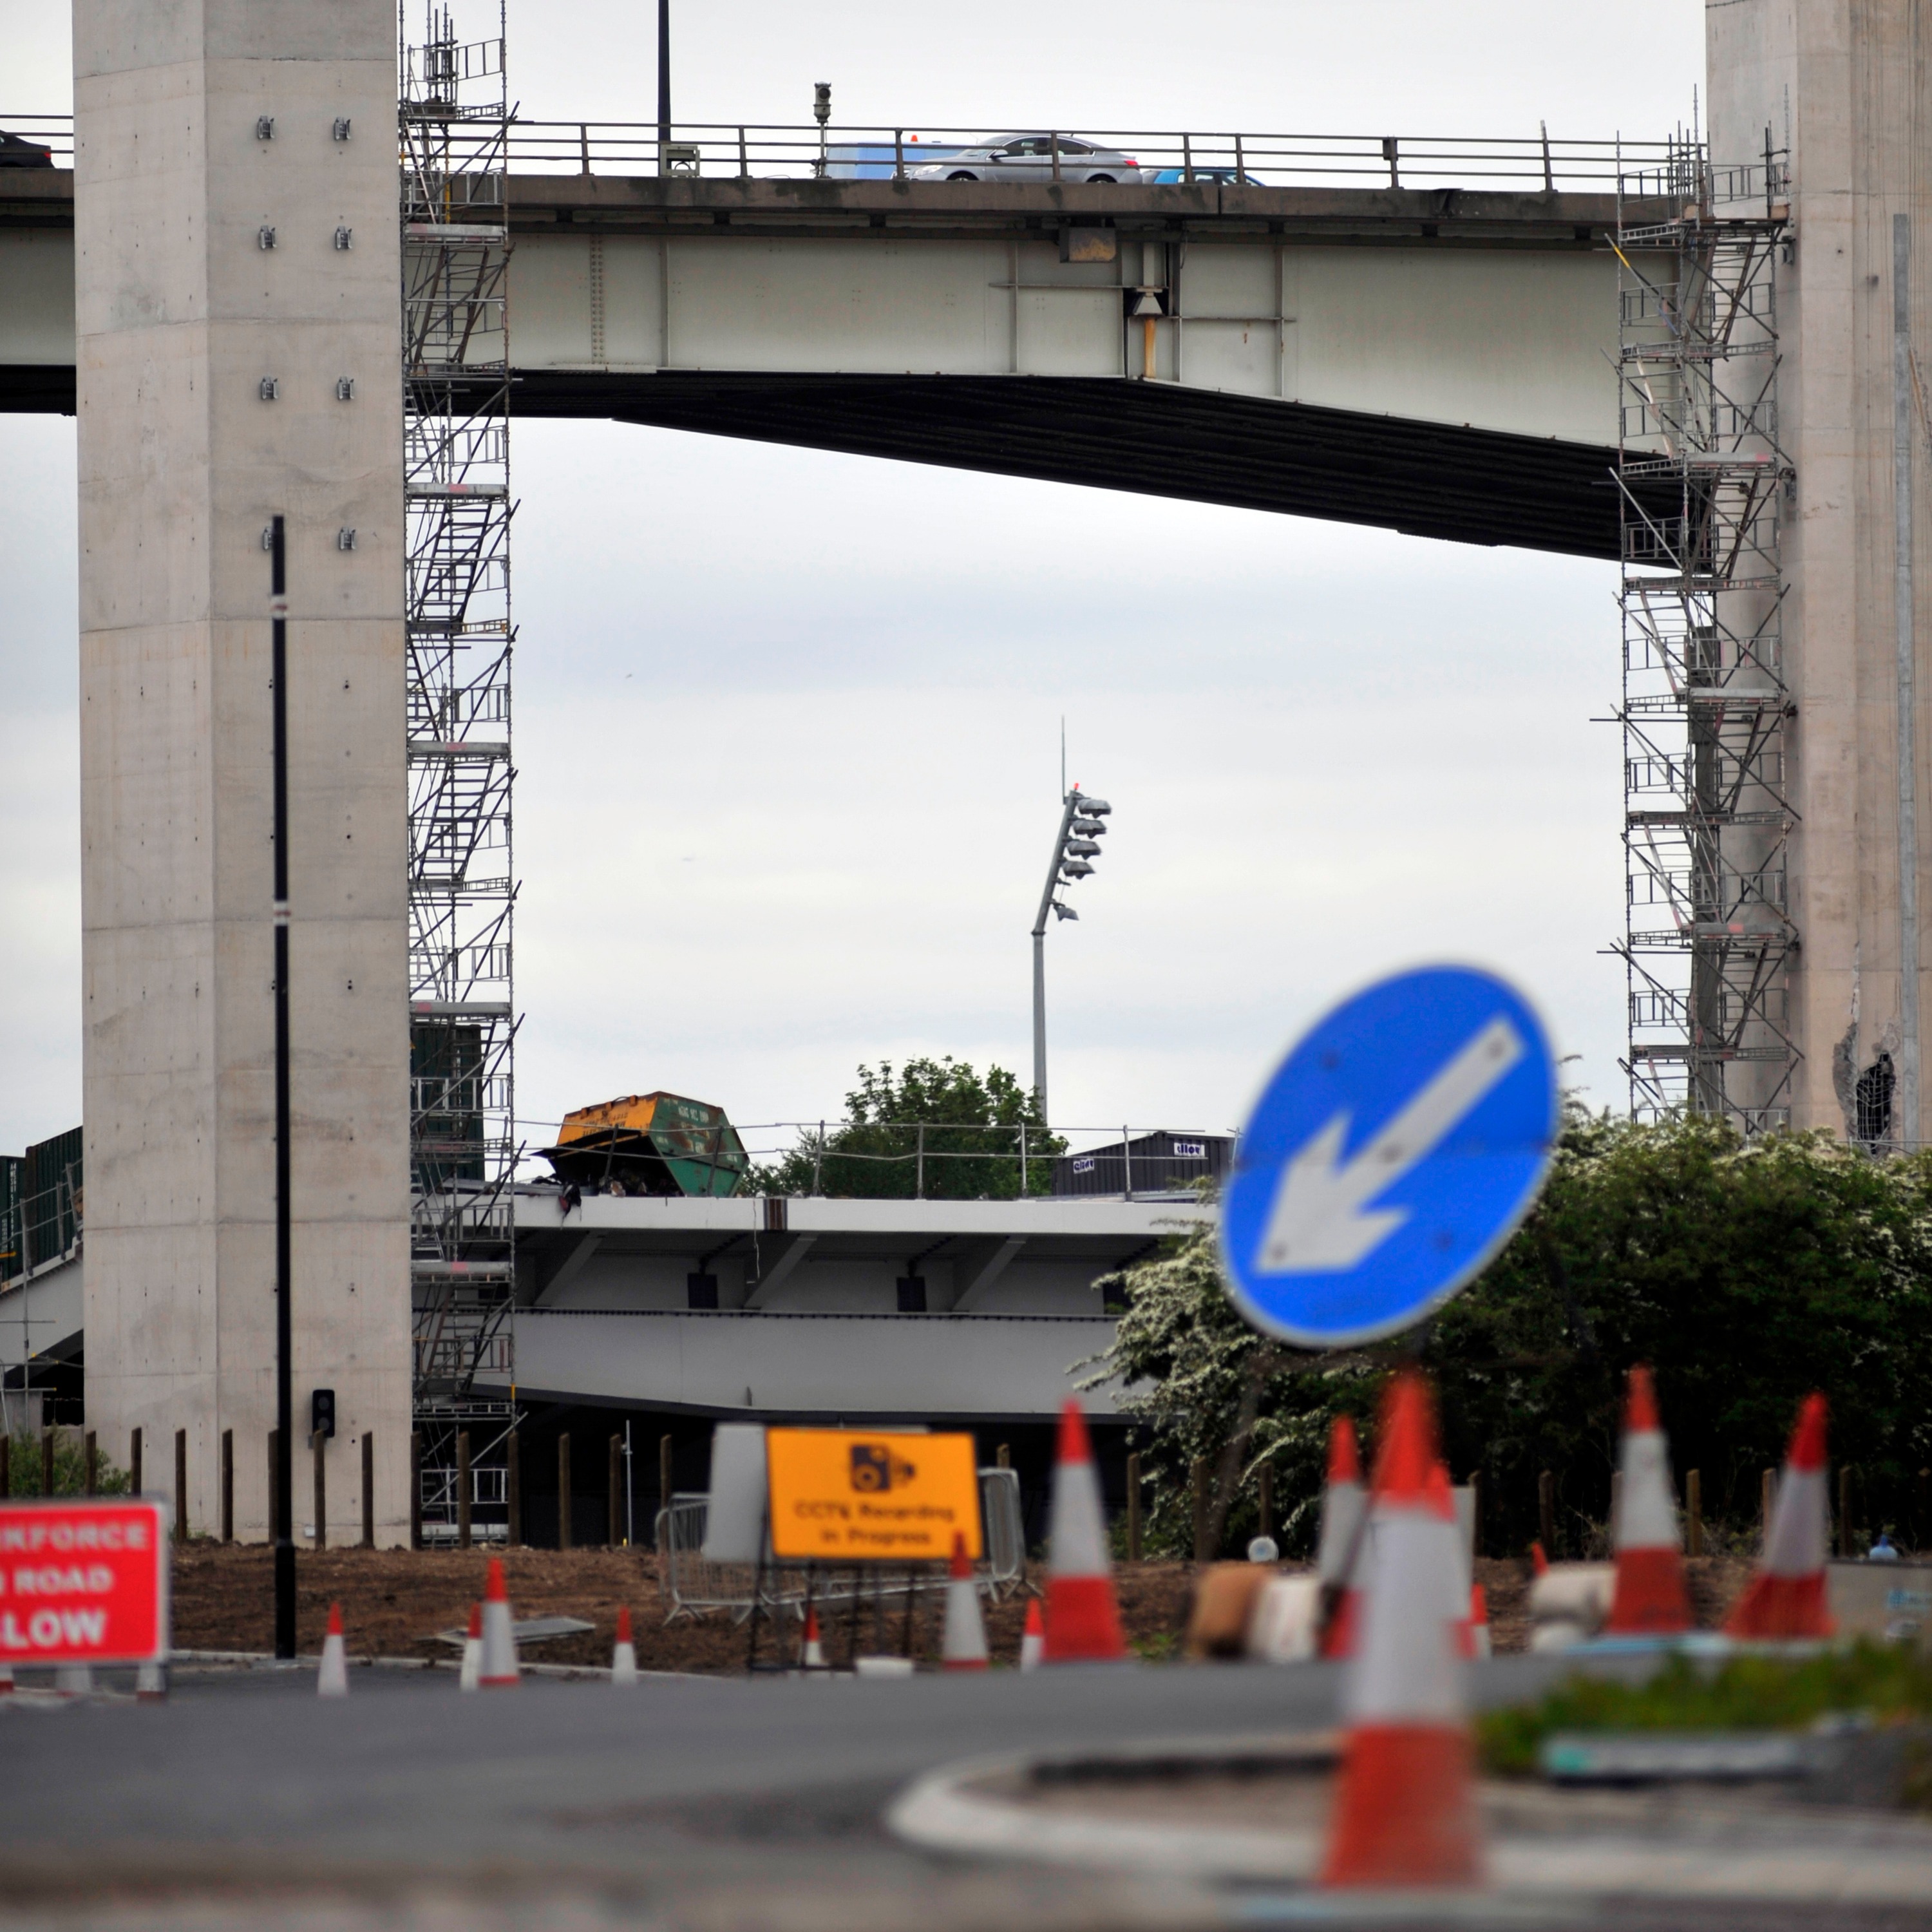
x: 84, y: 1581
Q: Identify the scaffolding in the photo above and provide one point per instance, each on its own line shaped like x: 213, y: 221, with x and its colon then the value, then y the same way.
x: 454, y: 125
x: 1703, y: 485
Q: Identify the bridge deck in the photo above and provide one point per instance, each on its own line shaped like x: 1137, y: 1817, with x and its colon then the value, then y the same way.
x: 1429, y: 361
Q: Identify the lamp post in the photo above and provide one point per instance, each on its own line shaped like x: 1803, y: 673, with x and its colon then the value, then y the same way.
x: 664, y: 79
x: 1075, y: 848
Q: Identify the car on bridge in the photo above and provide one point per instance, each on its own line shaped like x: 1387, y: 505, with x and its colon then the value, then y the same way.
x: 1029, y: 158
x: 1180, y: 177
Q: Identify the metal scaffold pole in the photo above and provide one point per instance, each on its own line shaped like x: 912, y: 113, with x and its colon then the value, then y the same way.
x: 455, y: 123
x: 1704, y: 486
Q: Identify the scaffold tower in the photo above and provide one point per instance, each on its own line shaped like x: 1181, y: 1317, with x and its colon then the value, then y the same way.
x: 455, y: 122
x: 1704, y: 486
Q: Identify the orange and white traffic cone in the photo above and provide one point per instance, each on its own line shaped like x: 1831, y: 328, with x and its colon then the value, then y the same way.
x: 1539, y: 1564
x: 1479, y: 1645
x: 473, y: 1650
x: 497, y: 1668
x: 332, y: 1679
x: 1650, y: 1600
x: 1340, y: 1560
x: 1033, y: 1639
x: 1405, y: 1809
x: 1786, y: 1598
x: 964, y: 1645
x: 812, y: 1656
x: 1083, y: 1620
x: 624, y: 1658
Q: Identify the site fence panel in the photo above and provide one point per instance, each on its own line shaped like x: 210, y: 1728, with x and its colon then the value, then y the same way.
x: 691, y: 1584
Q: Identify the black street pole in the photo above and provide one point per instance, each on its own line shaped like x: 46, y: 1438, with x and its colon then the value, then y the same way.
x: 664, y: 74
x: 284, y: 1498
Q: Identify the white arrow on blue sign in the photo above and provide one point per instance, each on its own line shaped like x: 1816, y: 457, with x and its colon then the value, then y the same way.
x: 1394, y: 1151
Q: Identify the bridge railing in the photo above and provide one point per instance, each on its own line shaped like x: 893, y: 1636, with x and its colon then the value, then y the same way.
x: 713, y: 151
x: 723, y: 151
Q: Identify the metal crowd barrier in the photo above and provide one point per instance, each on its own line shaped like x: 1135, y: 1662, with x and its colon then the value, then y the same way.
x: 691, y: 1584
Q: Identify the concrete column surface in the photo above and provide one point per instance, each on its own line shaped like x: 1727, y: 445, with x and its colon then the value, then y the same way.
x: 1848, y: 89
x: 222, y: 381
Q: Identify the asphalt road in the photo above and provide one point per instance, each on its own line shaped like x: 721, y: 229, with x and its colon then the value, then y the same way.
x: 707, y: 1805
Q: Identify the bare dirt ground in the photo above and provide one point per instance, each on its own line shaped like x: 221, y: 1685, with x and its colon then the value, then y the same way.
x: 395, y: 1601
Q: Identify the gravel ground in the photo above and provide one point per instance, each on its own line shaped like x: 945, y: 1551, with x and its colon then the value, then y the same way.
x: 394, y: 1601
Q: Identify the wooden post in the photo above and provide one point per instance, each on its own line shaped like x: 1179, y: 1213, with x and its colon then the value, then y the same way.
x: 463, y: 1489
x: 1003, y: 1456
x: 134, y: 1463
x: 7, y: 1465
x: 513, y: 1490
x: 317, y: 1443
x: 665, y: 1446
x: 368, y: 1489
x: 1264, y: 1483
x: 274, y: 1527
x: 563, y: 1490
x: 1923, y: 1539
x: 1694, y: 1513
x: 93, y: 1457
x: 181, y: 1485
x: 1845, y: 1509
x: 1767, y: 1495
x: 1202, y: 1554
x: 615, y: 1536
x: 228, y: 1485
x: 1475, y: 1512
x: 1546, y: 1513
x: 46, y: 1460
x: 415, y: 1489
x: 1134, y: 1506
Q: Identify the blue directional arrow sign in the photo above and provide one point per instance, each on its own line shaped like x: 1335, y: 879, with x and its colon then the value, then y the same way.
x: 1392, y: 1154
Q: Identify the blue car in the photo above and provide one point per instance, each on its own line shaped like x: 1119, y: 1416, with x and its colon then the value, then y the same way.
x: 1178, y: 177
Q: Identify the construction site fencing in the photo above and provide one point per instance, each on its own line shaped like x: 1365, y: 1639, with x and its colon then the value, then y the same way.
x: 1003, y: 1158
x: 691, y: 1584
x: 807, y: 150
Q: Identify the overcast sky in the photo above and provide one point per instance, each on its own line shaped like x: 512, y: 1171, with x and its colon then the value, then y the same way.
x: 788, y: 723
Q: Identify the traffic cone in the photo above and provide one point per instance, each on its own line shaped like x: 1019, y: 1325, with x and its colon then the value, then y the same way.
x: 1083, y: 1620
x: 332, y: 1679
x: 1339, y: 1557
x: 1404, y: 1810
x: 1539, y: 1564
x: 496, y: 1669
x: 964, y: 1645
x: 1650, y: 1600
x: 1479, y: 1645
x: 813, y: 1654
x: 1786, y: 1598
x: 1033, y: 1639
x: 472, y: 1650
x: 624, y: 1659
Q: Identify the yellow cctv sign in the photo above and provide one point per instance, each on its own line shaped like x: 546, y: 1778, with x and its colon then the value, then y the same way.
x: 847, y: 1495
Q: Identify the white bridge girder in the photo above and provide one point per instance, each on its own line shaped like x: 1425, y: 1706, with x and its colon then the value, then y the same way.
x: 1439, y: 362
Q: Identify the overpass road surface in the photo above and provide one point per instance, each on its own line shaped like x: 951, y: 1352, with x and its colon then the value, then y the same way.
x: 689, y: 1803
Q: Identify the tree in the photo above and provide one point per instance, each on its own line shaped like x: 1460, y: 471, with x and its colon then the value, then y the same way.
x: 1745, y: 1272
x: 935, y: 1128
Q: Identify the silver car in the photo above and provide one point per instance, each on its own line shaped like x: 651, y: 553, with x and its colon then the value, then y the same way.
x: 1029, y: 157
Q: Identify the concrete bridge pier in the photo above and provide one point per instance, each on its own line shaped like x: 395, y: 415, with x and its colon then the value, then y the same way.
x: 1848, y: 90
x: 237, y: 305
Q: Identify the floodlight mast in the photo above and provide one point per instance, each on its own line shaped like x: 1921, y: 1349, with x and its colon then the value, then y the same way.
x: 1088, y: 811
